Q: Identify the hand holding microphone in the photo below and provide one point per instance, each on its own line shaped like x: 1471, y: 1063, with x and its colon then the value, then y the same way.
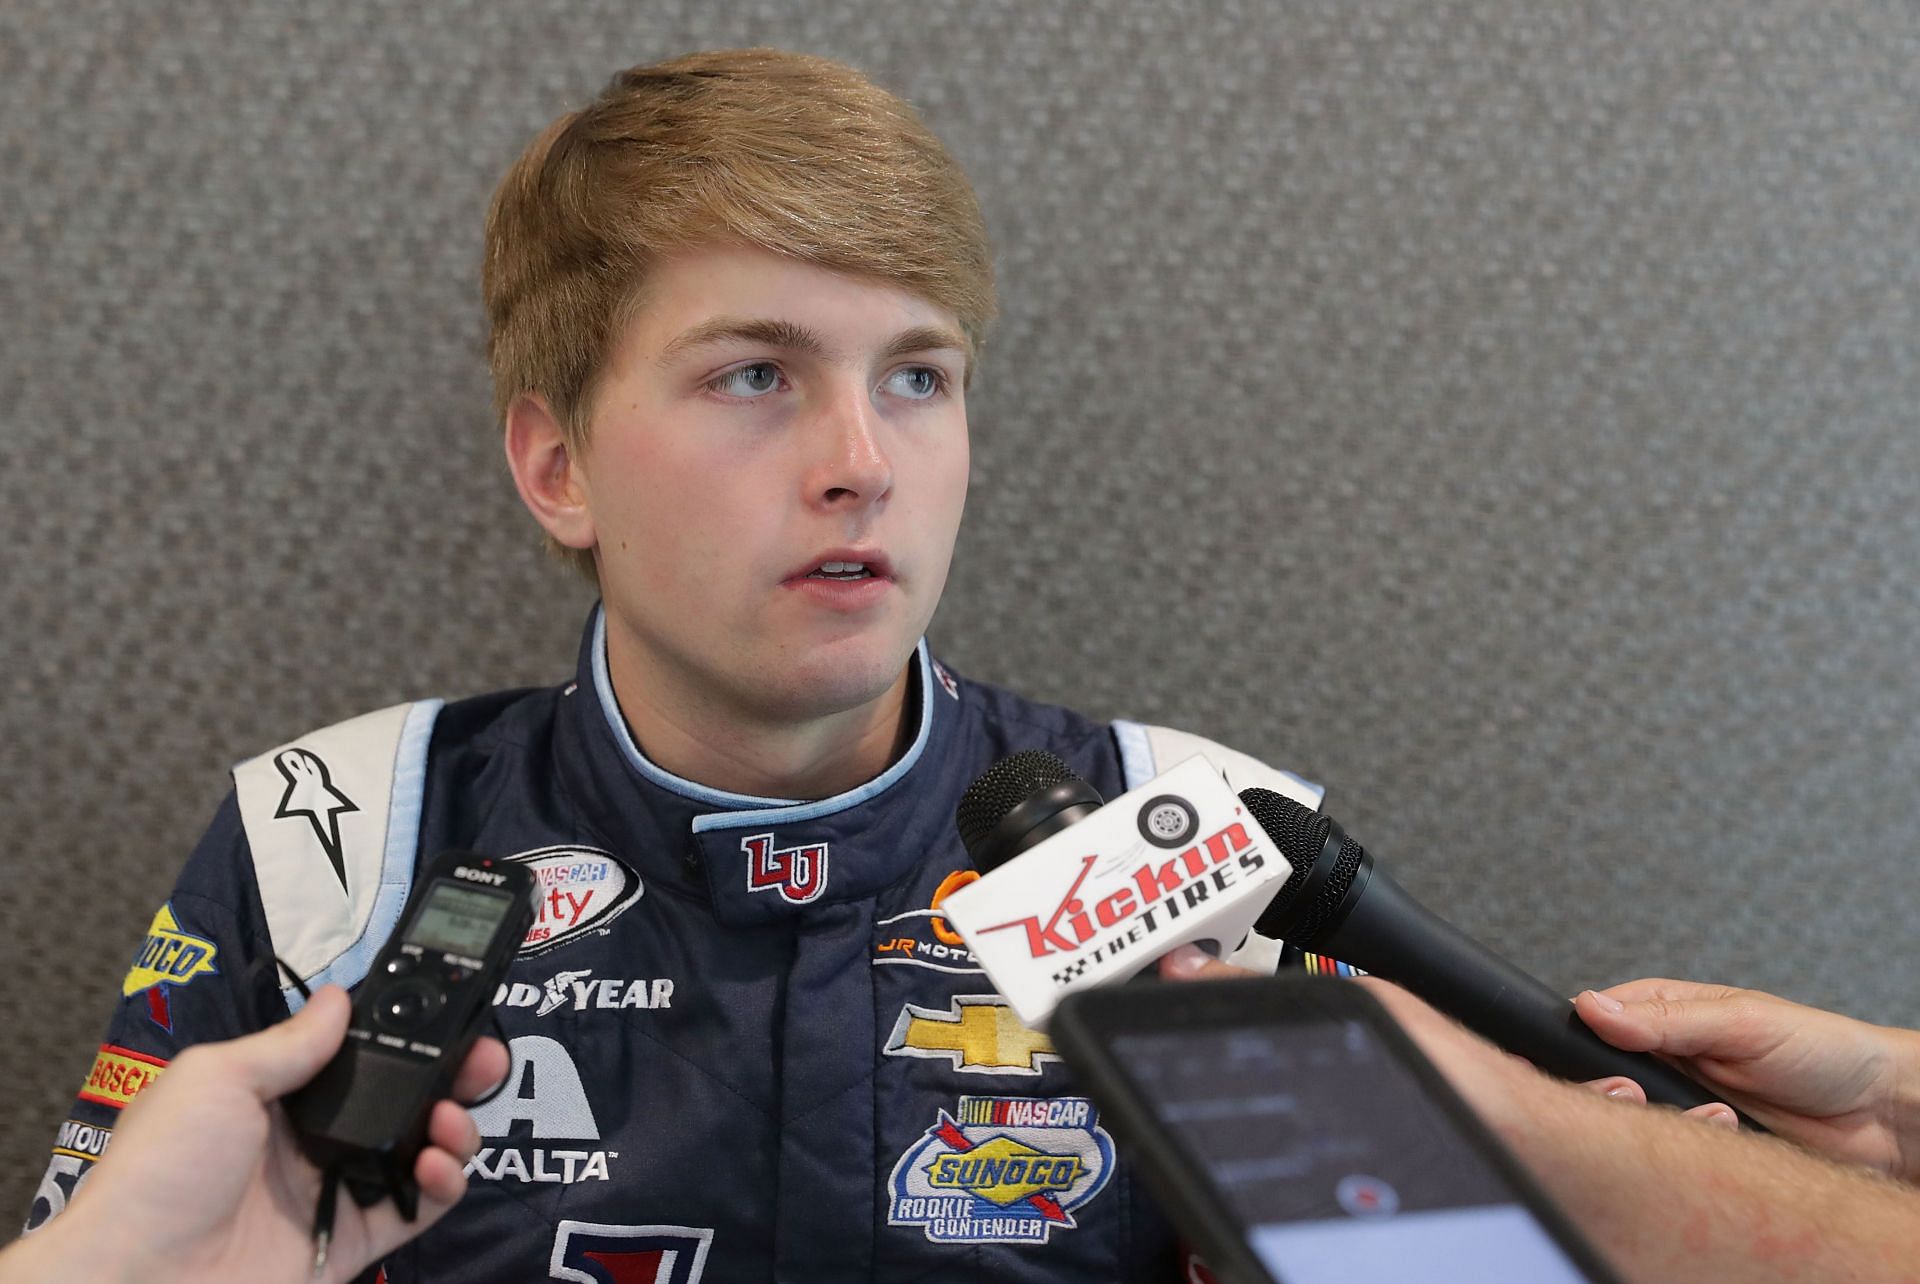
x: 1320, y: 891
x: 1340, y: 902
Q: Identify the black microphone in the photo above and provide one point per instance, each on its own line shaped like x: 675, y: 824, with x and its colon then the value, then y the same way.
x: 1339, y: 902
x: 1028, y: 797
x: 1019, y: 801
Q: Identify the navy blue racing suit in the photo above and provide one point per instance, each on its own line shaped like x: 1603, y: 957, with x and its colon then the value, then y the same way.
x: 745, y: 1044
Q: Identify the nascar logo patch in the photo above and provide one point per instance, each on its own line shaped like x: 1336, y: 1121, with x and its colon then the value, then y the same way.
x: 1002, y: 1170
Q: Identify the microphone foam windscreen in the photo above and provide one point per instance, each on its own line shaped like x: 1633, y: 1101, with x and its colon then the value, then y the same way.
x: 1004, y: 786
x: 1298, y: 831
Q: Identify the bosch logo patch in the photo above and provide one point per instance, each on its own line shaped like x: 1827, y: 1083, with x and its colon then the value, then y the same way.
x: 119, y: 1074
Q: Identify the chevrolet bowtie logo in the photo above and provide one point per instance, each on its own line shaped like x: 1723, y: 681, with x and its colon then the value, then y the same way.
x: 977, y: 1034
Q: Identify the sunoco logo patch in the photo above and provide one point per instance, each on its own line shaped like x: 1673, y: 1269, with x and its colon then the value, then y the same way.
x: 169, y: 956
x: 1002, y: 1169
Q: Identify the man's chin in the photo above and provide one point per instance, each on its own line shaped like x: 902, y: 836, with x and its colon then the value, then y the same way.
x: 836, y: 680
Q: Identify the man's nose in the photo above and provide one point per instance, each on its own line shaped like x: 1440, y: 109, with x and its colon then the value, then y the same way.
x: 850, y: 464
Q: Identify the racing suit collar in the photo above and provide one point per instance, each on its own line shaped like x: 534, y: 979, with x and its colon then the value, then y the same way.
x: 775, y: 810
x: 759, y: 859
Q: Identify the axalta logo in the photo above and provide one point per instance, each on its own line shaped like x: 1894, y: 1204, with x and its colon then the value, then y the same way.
x: 1000, y: 1169
x: 582, y: 890
x: 169, y: 956
x: 922, y: 938
x: 976, y: 1034
x: 799, y: 873
x: 1165, y: 888
x: 543, y: 1102
x: 478, y: 876
x: 119, y: 1075
x: 609, y: 1253
x: 578, y: 991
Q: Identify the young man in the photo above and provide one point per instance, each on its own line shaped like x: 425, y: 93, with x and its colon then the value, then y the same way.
x: 735, y: 306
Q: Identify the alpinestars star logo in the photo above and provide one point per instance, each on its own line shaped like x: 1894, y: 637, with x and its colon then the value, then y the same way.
x: 311, y: 793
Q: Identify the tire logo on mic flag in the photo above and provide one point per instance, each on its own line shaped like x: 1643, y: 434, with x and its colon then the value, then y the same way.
x: 1002, y: 1170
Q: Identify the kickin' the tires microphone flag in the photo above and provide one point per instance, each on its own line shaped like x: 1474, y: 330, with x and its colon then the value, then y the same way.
x: 1175, y: 862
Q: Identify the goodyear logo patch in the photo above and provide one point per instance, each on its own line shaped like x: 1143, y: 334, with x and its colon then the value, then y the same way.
x: 119, y: 1075
x: 1002, y: 1169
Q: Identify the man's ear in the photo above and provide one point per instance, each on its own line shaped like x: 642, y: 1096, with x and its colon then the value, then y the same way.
x: 551, y: 482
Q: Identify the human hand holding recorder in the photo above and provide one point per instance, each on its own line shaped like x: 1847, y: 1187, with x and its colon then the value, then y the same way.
x: 205, y: 1182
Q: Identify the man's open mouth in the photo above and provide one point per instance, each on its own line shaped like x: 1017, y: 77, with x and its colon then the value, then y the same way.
x: 840, y: 571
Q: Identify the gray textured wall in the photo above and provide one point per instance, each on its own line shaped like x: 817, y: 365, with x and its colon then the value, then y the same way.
x: 1499, y: 411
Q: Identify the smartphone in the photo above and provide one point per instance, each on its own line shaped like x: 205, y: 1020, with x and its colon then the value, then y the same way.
x: 1296, y: 1135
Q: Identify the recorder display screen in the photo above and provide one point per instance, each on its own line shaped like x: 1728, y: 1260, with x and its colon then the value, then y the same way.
x: 457, y: 919
x: 1332, y: 1156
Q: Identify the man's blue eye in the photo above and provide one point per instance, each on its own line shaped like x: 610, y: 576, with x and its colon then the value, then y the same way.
x: 760, y: 377
x: 919, y: 383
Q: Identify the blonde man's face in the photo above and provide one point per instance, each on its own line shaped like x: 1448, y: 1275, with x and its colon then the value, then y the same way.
x: 776, y: 470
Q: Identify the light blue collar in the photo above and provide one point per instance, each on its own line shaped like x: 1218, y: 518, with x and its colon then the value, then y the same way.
x: 749, y: 809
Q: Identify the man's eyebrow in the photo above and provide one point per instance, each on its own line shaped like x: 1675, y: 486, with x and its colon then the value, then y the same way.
x: 775, y: 334
x: 798, y: 338
x: 926, y: 338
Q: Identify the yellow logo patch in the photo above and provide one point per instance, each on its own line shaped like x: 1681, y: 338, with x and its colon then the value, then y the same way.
x: 168, y: 955
x: 1003, y: 1171
x: 119, y: 1075
x: 978, y: 1033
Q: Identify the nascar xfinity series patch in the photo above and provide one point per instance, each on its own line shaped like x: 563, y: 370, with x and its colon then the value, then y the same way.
x: 1002, y: 1169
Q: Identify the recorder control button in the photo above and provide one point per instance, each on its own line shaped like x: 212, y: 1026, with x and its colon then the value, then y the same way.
x: 400, y: 964
x: 405, y: 1007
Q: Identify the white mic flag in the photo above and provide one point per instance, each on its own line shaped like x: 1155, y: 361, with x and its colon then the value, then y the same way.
x: 1174, y: 862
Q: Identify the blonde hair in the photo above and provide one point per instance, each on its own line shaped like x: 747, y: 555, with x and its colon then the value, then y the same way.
x: 796, y: 154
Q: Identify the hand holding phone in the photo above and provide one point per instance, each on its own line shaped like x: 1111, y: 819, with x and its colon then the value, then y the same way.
x: 1295, y: 1134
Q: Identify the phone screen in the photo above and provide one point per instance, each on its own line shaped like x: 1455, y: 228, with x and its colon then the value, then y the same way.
x: 1331, y: 1153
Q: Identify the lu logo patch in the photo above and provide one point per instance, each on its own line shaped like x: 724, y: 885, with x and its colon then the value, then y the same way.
x: 799, y: 874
